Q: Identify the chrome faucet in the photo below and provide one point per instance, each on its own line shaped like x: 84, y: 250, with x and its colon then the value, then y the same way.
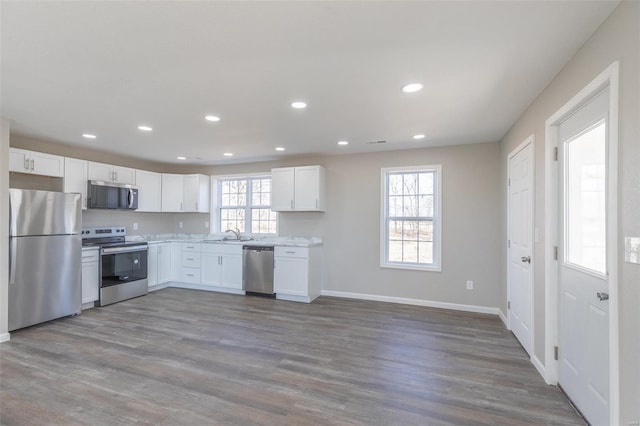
x: 236, y: 232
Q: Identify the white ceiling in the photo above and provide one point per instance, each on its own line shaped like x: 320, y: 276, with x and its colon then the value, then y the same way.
x: 70, y: 68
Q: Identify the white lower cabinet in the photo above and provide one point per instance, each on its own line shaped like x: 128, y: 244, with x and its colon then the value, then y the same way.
x: 222, y: 266
x: 159, y: 264
x: 297, y: 273
x: 90, y: 276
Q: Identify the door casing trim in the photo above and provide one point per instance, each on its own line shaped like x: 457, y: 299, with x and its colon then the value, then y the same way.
x: 608, y: 78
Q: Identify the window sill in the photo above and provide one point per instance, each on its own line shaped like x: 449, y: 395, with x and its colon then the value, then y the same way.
x: 436, y: 268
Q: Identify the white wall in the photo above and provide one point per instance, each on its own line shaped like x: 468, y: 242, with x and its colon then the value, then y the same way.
x: 4, y: 228
x: 618, y: 39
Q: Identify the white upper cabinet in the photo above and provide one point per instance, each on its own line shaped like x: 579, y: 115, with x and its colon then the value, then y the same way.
x: 75, y: 178
x: 172, y: 187
x: 149, y: 191
x: 195, y: 193
x: 111, y: 173
x: 36, y: 163
x: 185, y: 193
x: 298, y: 189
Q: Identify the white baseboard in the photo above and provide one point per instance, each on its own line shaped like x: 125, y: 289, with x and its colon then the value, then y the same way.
x: 4, y: 337
x: 418, y: 302
x: 205, y: 287
x: 538, y: 365
x: 158, y: 287
x: 503, y: 318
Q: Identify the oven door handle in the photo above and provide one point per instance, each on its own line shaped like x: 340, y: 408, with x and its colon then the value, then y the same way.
x: 112, y: 250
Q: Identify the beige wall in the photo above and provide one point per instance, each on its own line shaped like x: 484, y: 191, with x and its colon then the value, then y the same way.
x: 618, y: 39
x: 4, y: 229
x: 351, y: 225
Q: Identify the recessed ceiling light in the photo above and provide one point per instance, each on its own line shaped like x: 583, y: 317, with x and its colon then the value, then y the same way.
x: 181, y: 158
x: 279, y: 148
x: 145, y: 128
x: 421, y: 136
x: 298, y: 105
x: 412, y: 87
x: 212, y: 118
x: 343, y: 142
x: 88, y: 136
x: 228, y: 154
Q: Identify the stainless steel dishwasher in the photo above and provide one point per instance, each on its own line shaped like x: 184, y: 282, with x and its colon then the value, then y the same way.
x: 257, y: 277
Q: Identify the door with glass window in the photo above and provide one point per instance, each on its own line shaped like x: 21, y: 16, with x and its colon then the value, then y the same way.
x: 583, y: 340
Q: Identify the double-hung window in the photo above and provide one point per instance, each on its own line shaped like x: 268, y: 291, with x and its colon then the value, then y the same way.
x: 244, y: 203
x: 411, y: 217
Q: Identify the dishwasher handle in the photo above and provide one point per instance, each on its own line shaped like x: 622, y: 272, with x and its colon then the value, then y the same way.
x: 257, y: 249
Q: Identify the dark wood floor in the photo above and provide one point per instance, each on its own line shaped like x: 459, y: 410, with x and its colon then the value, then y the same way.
x: 180, y: 357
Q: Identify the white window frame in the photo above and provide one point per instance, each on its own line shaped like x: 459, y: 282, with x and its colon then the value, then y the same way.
x: 437, y: 219
x: 215, y: 200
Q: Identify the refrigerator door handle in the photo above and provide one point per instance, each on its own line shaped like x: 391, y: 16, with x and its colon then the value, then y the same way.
x: 12, y: 261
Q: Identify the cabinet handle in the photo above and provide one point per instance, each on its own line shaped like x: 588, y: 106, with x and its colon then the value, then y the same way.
x: 316, y: 203
x: 190, y: 258
x: 190, y: 275
x: 115, y: 175
x: 290, y: 252
x: 33, y: 164
x: 291, y: 204
x: 219, y: 260
x: 26, y: 164
x: 180, y: 206
x: 196, y: 206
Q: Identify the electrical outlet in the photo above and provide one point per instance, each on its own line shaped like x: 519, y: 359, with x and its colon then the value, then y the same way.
x: 206, y: 225
x: 469, y: 285
x: 135, y: 226
x: 632, y: 249
x: 180, y: 225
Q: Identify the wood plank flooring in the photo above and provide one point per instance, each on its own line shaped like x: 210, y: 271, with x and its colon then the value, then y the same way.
x: 181, y: 357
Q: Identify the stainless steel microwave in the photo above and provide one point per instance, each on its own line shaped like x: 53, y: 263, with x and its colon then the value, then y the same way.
x: 107, y: 195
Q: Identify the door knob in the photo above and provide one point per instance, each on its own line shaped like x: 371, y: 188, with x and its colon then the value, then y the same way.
x: 526, y: 259
x: 602, y: 296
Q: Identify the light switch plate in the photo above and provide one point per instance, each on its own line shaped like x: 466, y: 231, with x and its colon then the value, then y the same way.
x: 632, y: 249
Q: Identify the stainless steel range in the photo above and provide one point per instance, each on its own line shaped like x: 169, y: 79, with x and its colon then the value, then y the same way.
x: 123, y: 265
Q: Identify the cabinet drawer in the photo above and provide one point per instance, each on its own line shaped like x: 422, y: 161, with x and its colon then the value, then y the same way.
x: 291, y: 252
x: 90, y: 256
x: 222, y: 248
x: 190, y: 275
x: 191, y: 247
x: 191, y: 259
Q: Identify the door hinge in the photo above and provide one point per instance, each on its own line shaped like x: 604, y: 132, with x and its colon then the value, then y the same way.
x: 508, y: 243
x: 555, y: 353
x: 555, y: 154
x: 555, y: 252
x: 509, y: 305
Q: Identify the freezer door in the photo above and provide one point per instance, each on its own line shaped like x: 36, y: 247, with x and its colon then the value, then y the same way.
x: 44, y: 213
x: 45, y: 280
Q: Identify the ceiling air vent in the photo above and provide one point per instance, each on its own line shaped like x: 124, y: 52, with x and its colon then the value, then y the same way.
x: 375, y: 142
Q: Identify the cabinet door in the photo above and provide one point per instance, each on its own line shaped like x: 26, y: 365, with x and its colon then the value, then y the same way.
x: 190, y: 193
x: 75, y: 178
x: 211, y: 269
x: 307, y: 188
x: 164, y: 263
x: 176, y: 261
x: 152, y: 265
x: 282, y: 184
x: 290, y: 276
x: 99, y: 171
x: 172, y: 188
x: 124, y: 175
x: 47, y: 164
x: 90, y: 280
x: 19, y: 160
x: 149, y: 191
x: 231, y: 271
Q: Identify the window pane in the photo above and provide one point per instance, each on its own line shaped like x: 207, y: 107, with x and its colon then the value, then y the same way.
x: 425, y: 253
x: 255, y: 198
x: 395, y: 206
x: 395, y: 251
x: 425, y: 181
x: 395, y: 184
x: 425, y: 207
x: 410, y: 230
x: 425, y: 232
x: 410, y: 184
x: 410, y: 251
x: 395, y: 230
x: 586, y: 200
x: 409, y: 206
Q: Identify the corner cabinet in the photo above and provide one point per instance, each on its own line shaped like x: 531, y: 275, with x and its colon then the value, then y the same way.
x: 35, y: 163
x: 149, y: 191
x: 185, y: 193
x: 75, y: 178
x: 299, y: 189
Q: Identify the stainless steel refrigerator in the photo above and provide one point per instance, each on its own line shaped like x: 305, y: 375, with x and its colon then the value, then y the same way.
x: 45, y: 255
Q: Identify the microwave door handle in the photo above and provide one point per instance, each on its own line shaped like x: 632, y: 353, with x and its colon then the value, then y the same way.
x: 130, y: 198
x: 12, y: 260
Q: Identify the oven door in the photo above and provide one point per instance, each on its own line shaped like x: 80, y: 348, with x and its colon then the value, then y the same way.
x: 123, y: 264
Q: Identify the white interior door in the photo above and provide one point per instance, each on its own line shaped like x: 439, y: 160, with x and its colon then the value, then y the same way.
x: 583, y: 335
x: 520, y: 249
